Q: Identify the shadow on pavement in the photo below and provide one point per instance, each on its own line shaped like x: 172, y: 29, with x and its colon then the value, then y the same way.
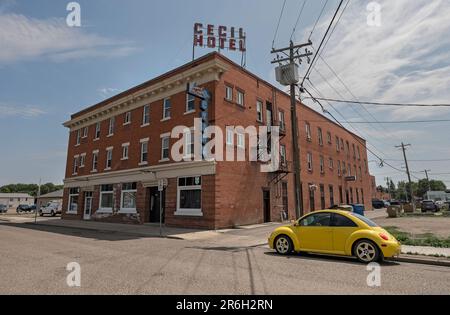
x: 318, y: 257
x: 80, y: 232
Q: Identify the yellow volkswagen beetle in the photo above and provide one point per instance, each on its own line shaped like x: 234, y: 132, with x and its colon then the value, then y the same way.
x: 336, y: 232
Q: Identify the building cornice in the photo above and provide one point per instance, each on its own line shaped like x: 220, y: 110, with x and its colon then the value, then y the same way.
x: 201, y: 74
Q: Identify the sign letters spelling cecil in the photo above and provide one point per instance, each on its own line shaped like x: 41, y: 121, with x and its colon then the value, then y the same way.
x: 221, y: 37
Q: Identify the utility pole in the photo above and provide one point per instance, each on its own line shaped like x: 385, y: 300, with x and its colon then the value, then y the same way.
x: 428, y: 179
x: 403, y: 147
x: 288, y: 75
x: 388, y: 186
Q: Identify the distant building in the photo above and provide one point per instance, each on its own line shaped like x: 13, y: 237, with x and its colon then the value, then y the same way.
x: 437, y: 195
x: 53, y: 196
x: 13, y: 200
x: 378, y: 193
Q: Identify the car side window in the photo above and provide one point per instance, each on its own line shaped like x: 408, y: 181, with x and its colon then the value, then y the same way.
x: 316, y: 220
x: 339, y: 220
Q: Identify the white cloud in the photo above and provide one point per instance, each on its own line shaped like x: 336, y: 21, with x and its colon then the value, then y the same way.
x: 25, y: 38
x: 19, y: 111
x: 107, y: 92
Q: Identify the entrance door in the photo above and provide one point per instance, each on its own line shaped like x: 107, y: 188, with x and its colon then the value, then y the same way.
x: 266, y: 205
x: 87, y: 205
x: 155, y: 205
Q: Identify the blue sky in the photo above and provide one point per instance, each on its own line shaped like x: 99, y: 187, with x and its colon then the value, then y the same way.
x: 48, y: 70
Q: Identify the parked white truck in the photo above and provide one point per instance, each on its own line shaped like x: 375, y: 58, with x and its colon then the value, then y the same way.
x: 52, y: 208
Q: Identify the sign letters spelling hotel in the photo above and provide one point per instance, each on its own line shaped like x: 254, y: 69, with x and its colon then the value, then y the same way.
x: 222, y: 37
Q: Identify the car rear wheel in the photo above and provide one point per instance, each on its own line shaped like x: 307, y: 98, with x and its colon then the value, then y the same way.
x: 283, y: 245
x: 366, y: 251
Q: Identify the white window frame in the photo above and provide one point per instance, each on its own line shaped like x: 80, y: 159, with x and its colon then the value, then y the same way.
x: 75, y: 165
x: 283, y: 159
x: 109, y: 158
x: 112, y: 122
x: 309, y: 160
x: 308, y: 132
x: 228, y: 93
x: 259, y: 111
x: 128, y: 210
x: 127, y: 119
x: 240, y: 98
x: 331, y: 163
x: 189, y: 212
x: 146, y: 116
x: 69, y: 211
x: 189, y: 143
x: 240, y: 140
x: 95, y: 161
x: 322, y: 164
x: 125, y: 151
x: 190, y: 98
x: 230, y: 136
x: 339, y: 168
x: 165, y: 137
x: 165, y: 108
x: 83, y: 160
x: 78, y: 137
x: 85, y: 132
x: 105, y: 210
x: 97, y: 131
x: 282, y: 120
x: 338, y: 145
x: 141, y: 160
x: 320, y: 136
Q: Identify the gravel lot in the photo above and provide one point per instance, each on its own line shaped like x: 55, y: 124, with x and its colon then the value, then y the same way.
x: 439, y: 226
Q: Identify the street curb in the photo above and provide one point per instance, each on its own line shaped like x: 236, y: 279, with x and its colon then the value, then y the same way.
x: 424, y: 260
x: 104, y: 231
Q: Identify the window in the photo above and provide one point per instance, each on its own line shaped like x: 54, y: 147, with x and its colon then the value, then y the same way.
x: 329, y: 138
x: 97, y: 130
x: 125, y: 151
x: 109, y: 154
x: 364, y: 219
x: 75, y: 164
x: 342, y: 145
x: 360, y: 174
x: 82, y: 160
x: 312, y: 202
x: 146, y: 115
x: 308, y: 132
x: 322, y: 167
x: 331, y: 163
x: 331, y: 190
x: 319, y: 131
x: 78, y: 137
x: 357, y: 195
x: 106, y: 198
x: 281, y: 117
x: 341, y: 195
x: 94, y: 161
x: 127, y: 119
x: 310, y: 162
x: 128, y: 198
x: 259, y: 111
x: 228, y: 93
x: 240, y: 98
x: 348, y: 149
x: 269, y: 116
x: 344, y: 170
x: 339, y: 220
x: 230, y: 136
x: 354, y: 150
x: 85, y: 132
x: 240, y: 140
x: 365, y: 166
x: 112, y: 122
x: 144, y: 151
x: 72, y: 207
x: 166, y: 108
x: 322, y: 197
x: 339, y: 168
x: 165, y: 144
x: 283, y: 154
x: 362, y: 196
x: 189, y: 196
x: 189, y: 144
x: 317, y: 220
x: 338, y: 148
x: 190, y: 103
x: 358, y: 152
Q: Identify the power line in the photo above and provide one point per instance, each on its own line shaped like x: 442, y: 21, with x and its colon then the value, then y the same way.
x: 321, y: 43
x: 318, y: 19
x: 298, y: 18
x: 278, y: 24
x: 394, y: 122
x: 383, y: 104
x: 438, y: 160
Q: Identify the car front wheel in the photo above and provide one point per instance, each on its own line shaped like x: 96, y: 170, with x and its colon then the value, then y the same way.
x: 283, y: 245
x: 366, y: 251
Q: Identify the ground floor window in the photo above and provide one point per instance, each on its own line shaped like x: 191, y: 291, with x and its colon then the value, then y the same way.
x: 106, y: 198
x: 128, y: 198
x: 73, y: 201
x: 312, y: 205
x: 189, y: 196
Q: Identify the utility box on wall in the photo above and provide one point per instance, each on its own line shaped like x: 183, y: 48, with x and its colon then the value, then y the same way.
x: 287, y: 74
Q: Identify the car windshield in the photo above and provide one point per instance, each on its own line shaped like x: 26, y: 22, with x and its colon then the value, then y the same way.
x: 365, y: 220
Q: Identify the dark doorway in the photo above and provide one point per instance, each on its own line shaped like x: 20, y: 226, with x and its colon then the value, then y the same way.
x: 347, y: 196
x: 266, y: 205
x: 285, y: 200
x: 155, y: 205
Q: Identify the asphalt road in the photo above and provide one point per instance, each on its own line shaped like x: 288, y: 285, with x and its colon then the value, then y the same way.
x: 33, y: 260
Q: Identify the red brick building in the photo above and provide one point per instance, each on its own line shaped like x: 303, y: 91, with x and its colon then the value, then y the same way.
x: 118, y: 151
